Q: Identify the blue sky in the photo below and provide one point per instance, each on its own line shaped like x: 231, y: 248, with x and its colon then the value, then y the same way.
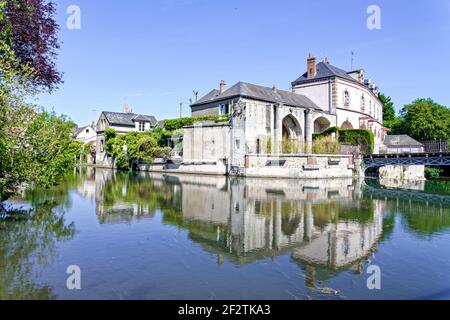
x: 153, y: 53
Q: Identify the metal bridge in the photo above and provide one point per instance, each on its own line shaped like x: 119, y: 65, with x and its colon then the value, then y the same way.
x: 433, y: 153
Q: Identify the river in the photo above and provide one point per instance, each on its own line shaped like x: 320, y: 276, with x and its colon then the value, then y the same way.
x: 159, y: 236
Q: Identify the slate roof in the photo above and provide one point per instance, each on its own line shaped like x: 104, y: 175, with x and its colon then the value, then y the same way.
x: 77, y: 131
x: 210, y: 96
x: 127, y: 119
x: 324, y: 70
x: 248, y: 90
x: 401, y: 140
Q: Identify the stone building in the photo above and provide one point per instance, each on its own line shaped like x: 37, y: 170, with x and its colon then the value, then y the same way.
x: 268, y: 120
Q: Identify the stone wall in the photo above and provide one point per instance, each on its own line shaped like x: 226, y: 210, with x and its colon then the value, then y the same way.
x: 402, y: 173
x: 299, y: 166
x: 215, y: 168
x: 206, y: 142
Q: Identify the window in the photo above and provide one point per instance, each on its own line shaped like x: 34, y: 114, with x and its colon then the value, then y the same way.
x: 370, y: 107
x: 363, y: 103
x: 224, y: 109
x: 87, y: 130
x: 346, y: 98
x: 237, y: 144
x: 141, y: 126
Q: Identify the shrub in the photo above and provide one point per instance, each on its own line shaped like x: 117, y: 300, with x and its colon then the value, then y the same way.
x: 122, y: 162
x: 360, y: 137
x: 174, y: 124
x: 326, y: 145
x: 433, y: 173
x: 291, y: 146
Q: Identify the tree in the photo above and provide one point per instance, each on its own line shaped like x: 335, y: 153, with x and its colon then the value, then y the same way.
x: 425, y: 119
x: 35, y: 146
x: 29, y: 43
x: 389, y: 117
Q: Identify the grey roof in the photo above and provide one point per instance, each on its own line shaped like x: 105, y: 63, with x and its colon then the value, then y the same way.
x: 248, y: 90
x: 77, y: 131
x: 324, y: 70
x: 126, y: 119
x: 401, y: 140
x: 210, y: 96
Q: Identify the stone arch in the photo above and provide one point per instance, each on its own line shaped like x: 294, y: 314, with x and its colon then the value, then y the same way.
x: 291, y: 128
x: 347, y: 125
x: 321, y: 124
x: 292, y: 135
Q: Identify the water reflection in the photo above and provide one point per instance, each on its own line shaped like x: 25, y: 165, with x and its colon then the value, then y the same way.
x: 28, y: 241
x: 322, y: 223
x: 325, y: 227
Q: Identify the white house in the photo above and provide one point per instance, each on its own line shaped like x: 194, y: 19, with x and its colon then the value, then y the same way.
x: 122, y: 122
x: 86, y: 134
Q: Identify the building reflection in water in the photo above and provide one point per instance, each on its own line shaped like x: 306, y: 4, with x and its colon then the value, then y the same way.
x: 322, y: 224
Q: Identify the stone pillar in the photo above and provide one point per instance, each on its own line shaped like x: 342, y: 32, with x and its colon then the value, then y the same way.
x: 278, y: 130
x: 309, y: 131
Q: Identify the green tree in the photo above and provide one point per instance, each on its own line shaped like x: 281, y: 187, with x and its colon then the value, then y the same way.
x: 424, y: 120
x: 389, y: 117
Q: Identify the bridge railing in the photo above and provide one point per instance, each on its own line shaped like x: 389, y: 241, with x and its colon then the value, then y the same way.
x: 436, y: 146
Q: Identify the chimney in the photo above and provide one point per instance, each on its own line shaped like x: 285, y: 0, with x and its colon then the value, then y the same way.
x: 275, y: 89
x: 223, y: 86
x: 312, y: 68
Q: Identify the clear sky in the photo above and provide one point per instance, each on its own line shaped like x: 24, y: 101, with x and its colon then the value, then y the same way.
x: 152, y: 53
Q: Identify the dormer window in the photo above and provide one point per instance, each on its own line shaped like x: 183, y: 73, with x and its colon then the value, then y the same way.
x: 346, y: 98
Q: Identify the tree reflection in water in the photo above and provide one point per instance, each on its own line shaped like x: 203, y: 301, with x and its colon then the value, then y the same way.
x: 324, y: 227
x: 28, y: 241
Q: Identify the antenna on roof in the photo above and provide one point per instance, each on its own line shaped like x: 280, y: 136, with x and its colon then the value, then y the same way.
x: 351, y: 60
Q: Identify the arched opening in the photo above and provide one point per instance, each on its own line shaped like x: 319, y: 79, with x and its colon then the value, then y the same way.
x: 292, y: 135
x: 347, y: 125
x: 291, y: 128
x: 321, y: 124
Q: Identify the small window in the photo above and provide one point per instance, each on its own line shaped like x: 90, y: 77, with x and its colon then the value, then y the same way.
x: 237, y: 144
x: 141, y: 126
x: 87, y: 130
x: 224, y: 109
x: 346, y: 98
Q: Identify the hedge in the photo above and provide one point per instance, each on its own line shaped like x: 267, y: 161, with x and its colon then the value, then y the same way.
x: 175, y: 124
x: 360, y: 137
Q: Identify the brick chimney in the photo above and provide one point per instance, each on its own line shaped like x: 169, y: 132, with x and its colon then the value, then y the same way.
x: 311, y: 65
x: 222, y: 86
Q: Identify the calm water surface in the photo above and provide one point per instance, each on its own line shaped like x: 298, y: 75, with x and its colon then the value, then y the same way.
x: 155, y: 236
